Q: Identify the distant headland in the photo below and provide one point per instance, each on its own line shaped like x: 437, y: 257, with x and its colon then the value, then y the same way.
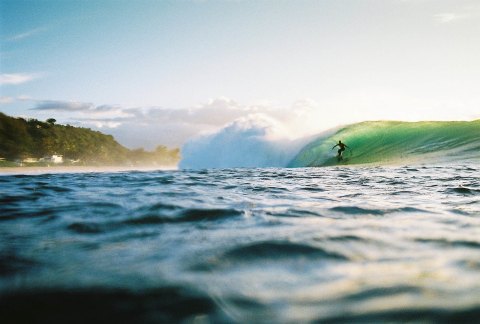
x: 30, y: 142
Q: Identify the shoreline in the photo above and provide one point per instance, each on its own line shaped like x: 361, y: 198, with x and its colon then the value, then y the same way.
x: 79, y: 169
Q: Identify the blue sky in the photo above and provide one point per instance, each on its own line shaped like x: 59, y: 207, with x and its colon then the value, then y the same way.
x: 161, y: 72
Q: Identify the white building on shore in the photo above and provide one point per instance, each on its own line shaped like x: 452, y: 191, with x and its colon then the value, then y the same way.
x: 55, y: 158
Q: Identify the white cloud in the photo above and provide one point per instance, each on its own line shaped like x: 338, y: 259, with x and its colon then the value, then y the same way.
x: 17, y: 78
x: 449, y: 17
x: 6, y: 100
x: 62, y: 105
x: 175, y: 126
x: 151, y: 126
x: 104, y: 123
x: 24, y: 98
x: 26, y: 34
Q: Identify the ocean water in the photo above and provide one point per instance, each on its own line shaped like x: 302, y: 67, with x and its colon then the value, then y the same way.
x: 271, y: 245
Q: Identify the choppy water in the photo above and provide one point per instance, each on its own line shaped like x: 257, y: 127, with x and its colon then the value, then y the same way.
x: 349, y: 244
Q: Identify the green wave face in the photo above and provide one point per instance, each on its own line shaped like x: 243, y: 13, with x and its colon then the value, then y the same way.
x: 385, y: 142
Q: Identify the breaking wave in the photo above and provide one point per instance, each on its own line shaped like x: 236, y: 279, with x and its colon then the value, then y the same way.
x: 257, y: 142
x: 253, y: 141
x: 384, y: 142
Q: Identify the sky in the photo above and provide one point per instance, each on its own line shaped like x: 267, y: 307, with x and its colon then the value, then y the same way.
x: 162, y: 72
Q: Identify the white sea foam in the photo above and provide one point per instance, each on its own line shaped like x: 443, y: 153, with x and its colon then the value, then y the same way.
x: 253, y: 141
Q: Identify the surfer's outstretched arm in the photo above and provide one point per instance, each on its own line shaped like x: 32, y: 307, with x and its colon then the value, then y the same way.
x: 334, y: 146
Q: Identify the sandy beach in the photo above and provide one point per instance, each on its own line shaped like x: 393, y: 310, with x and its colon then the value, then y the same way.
x: 79, y: 169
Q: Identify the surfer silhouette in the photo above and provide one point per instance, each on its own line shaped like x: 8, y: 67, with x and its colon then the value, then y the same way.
x: 342, y: 147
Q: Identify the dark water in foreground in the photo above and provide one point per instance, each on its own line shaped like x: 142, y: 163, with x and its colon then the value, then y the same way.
x: 364, y: 244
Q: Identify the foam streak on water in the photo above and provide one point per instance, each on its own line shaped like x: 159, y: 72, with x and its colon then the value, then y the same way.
x: 242, y: 245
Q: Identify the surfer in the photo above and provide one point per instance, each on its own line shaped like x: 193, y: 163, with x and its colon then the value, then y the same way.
x: 342, y: 147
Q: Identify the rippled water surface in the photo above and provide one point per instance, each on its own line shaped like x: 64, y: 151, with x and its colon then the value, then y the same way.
x: 242, y: 245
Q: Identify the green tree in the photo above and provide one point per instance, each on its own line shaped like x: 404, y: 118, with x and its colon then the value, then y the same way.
x: 21, y: 138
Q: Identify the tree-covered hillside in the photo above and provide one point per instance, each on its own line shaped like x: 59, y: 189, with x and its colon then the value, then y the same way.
x: 21, y: 139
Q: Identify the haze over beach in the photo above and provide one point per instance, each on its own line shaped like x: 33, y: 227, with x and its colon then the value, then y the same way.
x: 165, y: 72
